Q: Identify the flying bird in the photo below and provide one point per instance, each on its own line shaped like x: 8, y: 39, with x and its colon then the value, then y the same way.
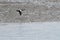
x: 20, y: 11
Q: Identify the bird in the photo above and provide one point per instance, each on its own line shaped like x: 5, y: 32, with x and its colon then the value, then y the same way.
x: 20, y: 11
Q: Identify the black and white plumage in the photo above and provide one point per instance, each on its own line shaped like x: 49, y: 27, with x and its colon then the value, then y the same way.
x: 20, y: 11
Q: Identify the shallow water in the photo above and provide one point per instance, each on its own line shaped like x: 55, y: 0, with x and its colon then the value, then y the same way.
x: 30, y: 31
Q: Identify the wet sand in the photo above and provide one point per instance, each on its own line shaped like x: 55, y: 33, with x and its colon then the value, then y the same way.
x: 33, y: 12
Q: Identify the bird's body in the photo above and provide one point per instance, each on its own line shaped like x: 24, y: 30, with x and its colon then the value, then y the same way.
x: 19, y: 12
